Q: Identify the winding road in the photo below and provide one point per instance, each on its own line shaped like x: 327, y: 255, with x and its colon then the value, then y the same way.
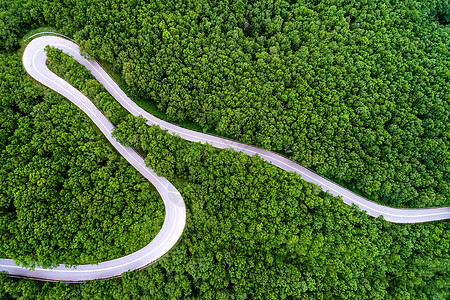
x: 34, y: 58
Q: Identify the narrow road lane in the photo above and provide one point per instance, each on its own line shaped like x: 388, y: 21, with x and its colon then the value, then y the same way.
x: 34, y: 59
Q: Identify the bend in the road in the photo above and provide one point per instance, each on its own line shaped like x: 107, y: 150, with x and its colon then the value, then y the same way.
x: 34, y: 59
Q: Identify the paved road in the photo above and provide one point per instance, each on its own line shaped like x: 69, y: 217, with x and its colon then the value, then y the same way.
x: 34, y: 59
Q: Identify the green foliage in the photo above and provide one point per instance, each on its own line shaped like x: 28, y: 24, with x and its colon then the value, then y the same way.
x: 442, y: 13
x: 66, y: 196
x: 15, y: 18
x: 11, y: 23
x: 78, y: 76
x: 256, y: 232
x: 356, y: 90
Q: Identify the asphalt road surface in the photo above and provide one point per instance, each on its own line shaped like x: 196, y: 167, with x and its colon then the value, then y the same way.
x: 34, y: 58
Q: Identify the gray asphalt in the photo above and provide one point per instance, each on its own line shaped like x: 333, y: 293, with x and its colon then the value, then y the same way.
x: 34, y: 59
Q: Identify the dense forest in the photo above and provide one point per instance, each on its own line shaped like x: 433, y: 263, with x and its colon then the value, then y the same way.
x: 254, y: 231
x: 66, y: 196
x: 356, y: 90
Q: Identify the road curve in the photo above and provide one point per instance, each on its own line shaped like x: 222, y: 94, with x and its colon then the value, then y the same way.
x: 34, y: 59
